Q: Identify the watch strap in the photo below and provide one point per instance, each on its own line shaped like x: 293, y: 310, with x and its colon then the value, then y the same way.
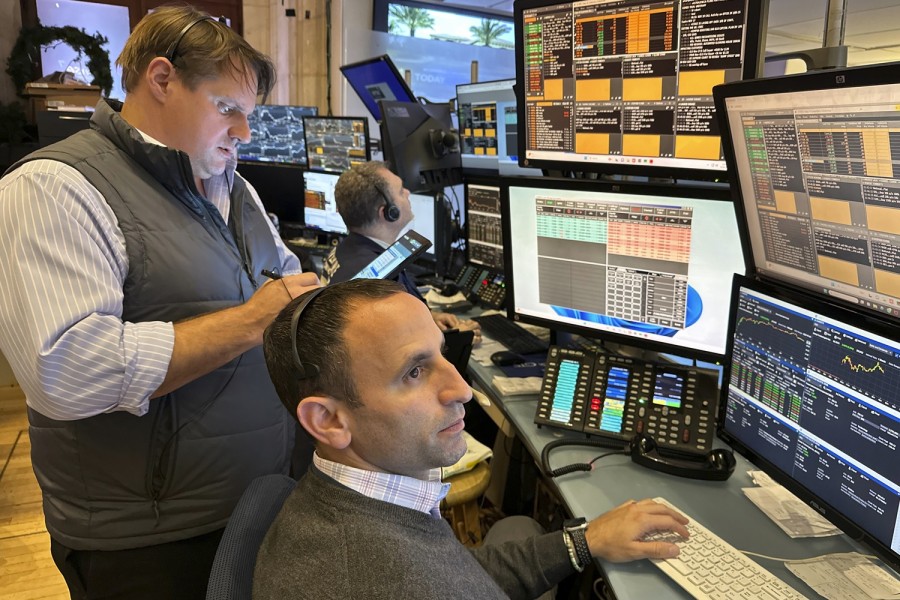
x: 575, y: 531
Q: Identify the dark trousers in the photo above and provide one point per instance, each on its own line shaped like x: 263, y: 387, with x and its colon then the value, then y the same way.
x: 177, y: 570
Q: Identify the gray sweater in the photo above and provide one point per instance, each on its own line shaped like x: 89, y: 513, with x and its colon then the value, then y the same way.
x: 331, y: 542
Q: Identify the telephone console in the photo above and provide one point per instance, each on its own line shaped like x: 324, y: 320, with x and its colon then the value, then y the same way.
x: 482, y: 285
x: 619, y: 398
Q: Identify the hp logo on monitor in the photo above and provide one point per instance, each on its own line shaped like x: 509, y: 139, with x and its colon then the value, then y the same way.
x: 839, y: 79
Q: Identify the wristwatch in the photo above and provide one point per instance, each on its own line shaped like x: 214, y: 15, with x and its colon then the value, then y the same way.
x: 579, y: 552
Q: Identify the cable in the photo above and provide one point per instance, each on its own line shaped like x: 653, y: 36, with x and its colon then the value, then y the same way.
x: 620, y: 448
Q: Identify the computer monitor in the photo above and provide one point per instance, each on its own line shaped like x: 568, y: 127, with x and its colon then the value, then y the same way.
x: 811, y: 398
x: 319, y: 208
x: 484, y: 230
x: 646, y: 265
x: 423, y: 221
x: 334, y: 144
x: 489, y: 129
x: 817, y: 181
x: 619, y: 86
x: 377, y: 79
x: 420, y: 145
x: 280, y: 187
x: 276, y: 135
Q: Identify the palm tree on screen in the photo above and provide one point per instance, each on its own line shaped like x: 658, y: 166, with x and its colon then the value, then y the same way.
x: 487, y: 31
x: 414, y: 18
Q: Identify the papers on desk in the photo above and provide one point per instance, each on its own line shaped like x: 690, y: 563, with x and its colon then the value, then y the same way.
x: 435, y: 299
x: 475, y: 453
x: 787, y: 511
x: 517, y: 386
x: 846, y: 576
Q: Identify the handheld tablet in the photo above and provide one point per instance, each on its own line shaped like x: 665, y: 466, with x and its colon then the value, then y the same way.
x: 399, y: 254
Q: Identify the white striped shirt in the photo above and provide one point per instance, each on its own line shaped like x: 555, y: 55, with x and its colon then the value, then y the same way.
x: 63, y: 265
x: 421, y: 495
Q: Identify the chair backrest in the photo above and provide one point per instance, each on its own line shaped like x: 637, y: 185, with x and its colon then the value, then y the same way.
x: 458, y: 348
x: 231, y: 577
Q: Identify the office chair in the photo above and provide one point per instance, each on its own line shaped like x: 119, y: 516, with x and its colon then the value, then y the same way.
x: 231, y: 577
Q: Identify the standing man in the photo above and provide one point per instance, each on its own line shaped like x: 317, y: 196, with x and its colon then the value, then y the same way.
x: 385, y: 408
x: 375, y: 208
x: 132, y: 314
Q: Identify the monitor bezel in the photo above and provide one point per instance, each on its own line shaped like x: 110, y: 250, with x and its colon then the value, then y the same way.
x: 668, y: 190
x: 386, y: 59
x: 872, y: 323
x: 863, y: 76
x: 363, y: 120
x: 754, y: 57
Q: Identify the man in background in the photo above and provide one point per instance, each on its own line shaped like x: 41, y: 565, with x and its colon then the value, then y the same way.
x: 375, y: 208
x: 132, y: 313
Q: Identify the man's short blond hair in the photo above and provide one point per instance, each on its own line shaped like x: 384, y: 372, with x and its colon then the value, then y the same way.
x: 206, y: 50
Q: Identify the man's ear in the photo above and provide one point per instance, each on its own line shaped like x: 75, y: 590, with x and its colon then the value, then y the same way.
x: 325, y: 420
x: 158, y: 76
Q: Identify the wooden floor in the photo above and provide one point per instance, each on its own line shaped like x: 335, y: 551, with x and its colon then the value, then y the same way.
x: 26, y: 570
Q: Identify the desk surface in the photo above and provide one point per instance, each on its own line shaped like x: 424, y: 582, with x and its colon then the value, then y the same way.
x: 720, y: 506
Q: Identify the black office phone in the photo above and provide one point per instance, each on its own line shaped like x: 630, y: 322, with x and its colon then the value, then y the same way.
x: 482, y: 285
x: 619, y: 397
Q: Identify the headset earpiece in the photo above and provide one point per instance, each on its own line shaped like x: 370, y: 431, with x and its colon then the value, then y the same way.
x: 391, y: 211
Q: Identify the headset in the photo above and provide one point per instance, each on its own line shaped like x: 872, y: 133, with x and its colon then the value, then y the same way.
x: 305, y: 370
x: 391, y: 211
x: 172, y: 50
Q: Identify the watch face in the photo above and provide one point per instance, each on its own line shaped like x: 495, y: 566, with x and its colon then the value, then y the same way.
x: 575, y: 523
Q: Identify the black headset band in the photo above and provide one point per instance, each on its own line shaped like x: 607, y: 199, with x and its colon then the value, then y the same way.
x: 304, y: 370
x: 173, y: 47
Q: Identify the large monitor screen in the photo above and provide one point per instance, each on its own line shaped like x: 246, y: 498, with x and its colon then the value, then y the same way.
x: 377, y: 79
x: 817, y: 167
x: 625, y: 86
x: 334, y: 144
x: 646, y: 265
x: 276, y: 134
x: 813, y: 397
x: 484, y: 230
x: 319, y: 208
x: 489, y: 128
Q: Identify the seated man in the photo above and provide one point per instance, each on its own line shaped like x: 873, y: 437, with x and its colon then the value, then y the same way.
x: 385, y: 409
x: 375, y: 208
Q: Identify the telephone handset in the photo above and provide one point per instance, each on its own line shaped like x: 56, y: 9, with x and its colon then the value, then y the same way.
x: 619, y: 397
x: 483, y: 286
x: 716, y: 465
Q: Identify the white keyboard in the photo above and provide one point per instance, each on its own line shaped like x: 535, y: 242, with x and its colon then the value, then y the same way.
x: 709, y: 568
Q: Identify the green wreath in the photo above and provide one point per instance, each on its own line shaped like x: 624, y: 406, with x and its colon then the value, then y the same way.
x: 22, y: 64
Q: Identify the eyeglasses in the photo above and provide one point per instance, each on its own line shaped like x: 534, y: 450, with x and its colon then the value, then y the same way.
x: 172, y: 50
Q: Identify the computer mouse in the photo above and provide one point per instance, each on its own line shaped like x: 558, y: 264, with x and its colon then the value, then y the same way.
x: 449, y: 289
x: 505, y: 358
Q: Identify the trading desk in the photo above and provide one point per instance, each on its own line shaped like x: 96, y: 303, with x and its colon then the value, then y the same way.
x: 720, y: 506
